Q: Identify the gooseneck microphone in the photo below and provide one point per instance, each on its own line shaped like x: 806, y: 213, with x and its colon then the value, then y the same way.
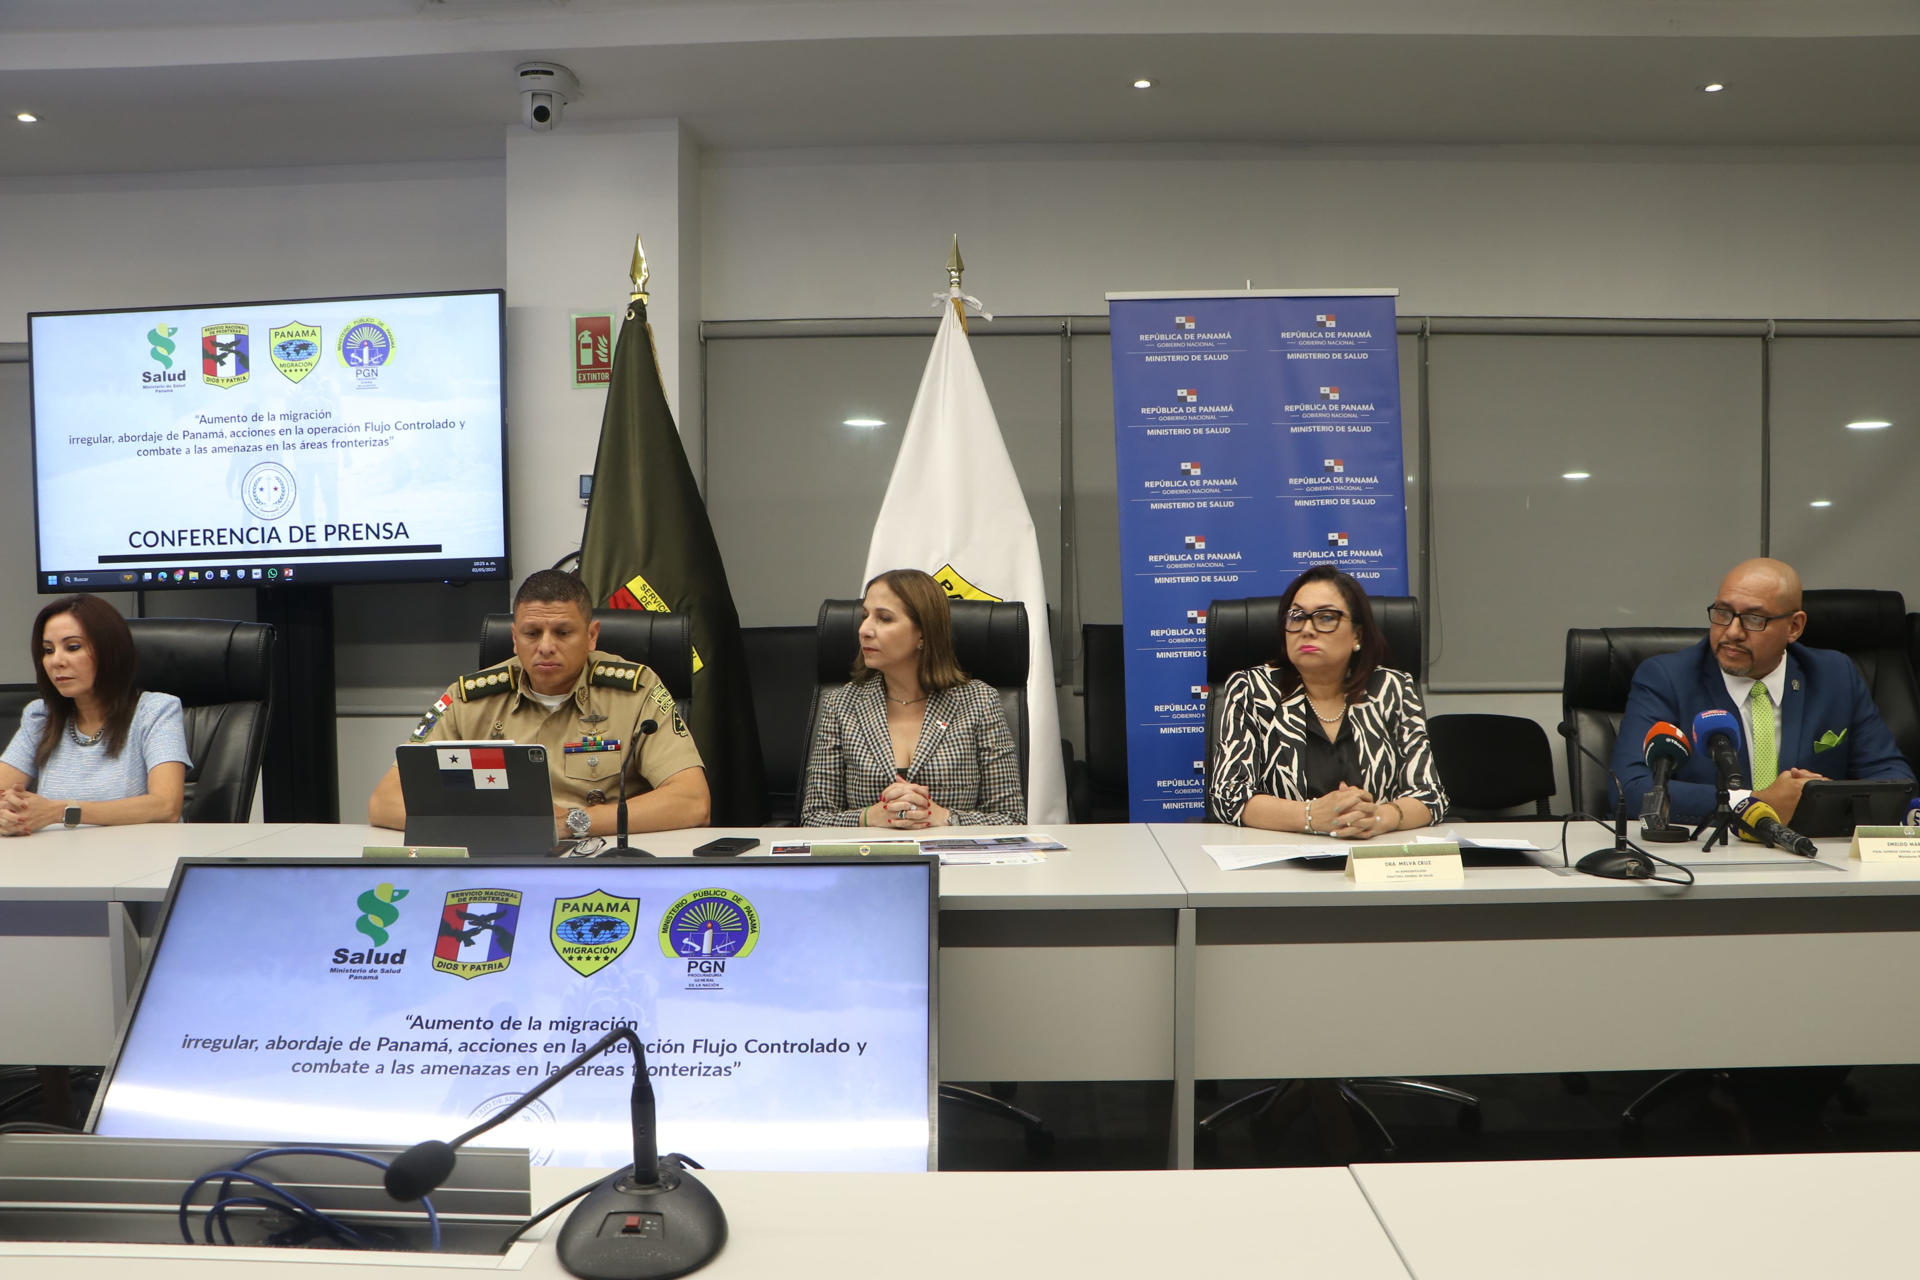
x: 1622, y: 861
x: 1759, y: 821
x: 650, y: 1221
x: 1666, y: 750
x: 642, y: 729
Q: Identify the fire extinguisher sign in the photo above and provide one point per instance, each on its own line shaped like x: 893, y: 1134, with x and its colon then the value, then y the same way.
x: 592, y: 350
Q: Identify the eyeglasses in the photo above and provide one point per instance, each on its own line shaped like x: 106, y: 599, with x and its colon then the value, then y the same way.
x: 1719, y: 615
x: 1324, y: 620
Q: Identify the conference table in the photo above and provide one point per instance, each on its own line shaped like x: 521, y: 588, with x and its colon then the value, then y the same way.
x: 1132, y: 956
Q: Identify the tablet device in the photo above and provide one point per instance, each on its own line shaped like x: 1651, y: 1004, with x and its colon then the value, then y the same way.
x: 1833, y: 807
x: 493, y: 798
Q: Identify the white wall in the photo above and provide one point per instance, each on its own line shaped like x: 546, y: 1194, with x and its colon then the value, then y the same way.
x: 1594, y: 232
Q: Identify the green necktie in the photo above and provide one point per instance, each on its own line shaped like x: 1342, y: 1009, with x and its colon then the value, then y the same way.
x: 1765, y: 757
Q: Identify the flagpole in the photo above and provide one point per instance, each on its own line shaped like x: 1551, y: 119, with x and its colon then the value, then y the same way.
x: 954, y: 269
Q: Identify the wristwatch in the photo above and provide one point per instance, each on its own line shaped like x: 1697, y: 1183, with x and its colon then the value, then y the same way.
x: 579, y: 823
x: 72, y: 817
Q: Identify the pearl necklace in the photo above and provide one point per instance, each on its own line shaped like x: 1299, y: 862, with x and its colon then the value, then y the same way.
x: 1323, y: 719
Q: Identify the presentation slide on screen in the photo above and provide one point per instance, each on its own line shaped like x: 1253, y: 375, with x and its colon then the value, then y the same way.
x: 275, y: 436
x: 784, y: 1009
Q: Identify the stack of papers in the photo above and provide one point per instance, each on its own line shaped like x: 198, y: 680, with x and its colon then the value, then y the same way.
x: 1237, y: 857
x: 953, y: 851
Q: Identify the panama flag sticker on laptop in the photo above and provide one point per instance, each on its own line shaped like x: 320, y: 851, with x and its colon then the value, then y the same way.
x: 481, y: 768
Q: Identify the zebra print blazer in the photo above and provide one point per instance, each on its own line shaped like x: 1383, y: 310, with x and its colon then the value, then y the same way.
x: 1259, y: 747
x: 965, y: 756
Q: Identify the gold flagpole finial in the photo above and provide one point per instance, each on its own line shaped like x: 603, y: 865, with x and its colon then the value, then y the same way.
x: 638, y: 272
x: 955, y: 267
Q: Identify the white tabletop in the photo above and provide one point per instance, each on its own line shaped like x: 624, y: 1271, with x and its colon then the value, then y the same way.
x: 1744, y: 871
x: 1731, y: 1217
x: 1305, y: 1222
x: 88, y: 862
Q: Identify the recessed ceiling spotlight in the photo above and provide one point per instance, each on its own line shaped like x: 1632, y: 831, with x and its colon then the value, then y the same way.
x: 1713, y: 87
x: 26, y: 117
x: 1820, y: 502
x: 864, y: 422
x: 1869, y: 424
x: 1143, y: 83
x: 1576, y: 475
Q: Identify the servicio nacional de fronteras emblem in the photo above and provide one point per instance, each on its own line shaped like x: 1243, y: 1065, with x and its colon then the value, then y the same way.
x: 593, y: 930
x: 224, y: 358
x: 709, y: 925
x: 295, y: 349
x: 476, y: 932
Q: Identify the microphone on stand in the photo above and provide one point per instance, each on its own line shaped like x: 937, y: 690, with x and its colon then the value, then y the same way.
x: 1760, y: 822
x: 642, y: 729
x: 1666, y: 750
x: 1623, y: 861
x: 1717, y: 733
x: 649, y: 1221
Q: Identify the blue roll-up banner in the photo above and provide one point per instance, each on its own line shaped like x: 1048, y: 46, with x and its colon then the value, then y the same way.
x: 1257, y: 433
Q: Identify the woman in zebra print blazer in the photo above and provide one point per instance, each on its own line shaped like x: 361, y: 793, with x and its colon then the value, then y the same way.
x: 1325, y: 741
x: 910, y: 742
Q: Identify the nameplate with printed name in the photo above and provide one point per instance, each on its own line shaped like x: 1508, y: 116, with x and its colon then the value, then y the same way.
x: 1436, y: 862
x: 1886, y: 844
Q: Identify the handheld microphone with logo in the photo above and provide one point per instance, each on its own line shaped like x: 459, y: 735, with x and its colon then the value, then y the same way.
x: 1666, y: 750
x: 642, y: 729
x: 649, y: 1221
x: 1717, y: 733
x: 1759, y: 822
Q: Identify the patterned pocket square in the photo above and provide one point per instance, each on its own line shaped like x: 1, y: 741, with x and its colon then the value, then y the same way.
x: 1828, y: 740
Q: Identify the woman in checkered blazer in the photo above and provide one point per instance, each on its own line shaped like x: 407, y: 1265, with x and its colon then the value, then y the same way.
x: 910, y: 742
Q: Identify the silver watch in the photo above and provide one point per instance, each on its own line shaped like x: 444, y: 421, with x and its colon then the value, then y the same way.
x: 579, y: 823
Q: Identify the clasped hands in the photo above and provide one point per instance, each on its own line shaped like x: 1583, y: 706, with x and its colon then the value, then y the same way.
x: 23, y: 812
x: 905, y: 806
x: 1349, y: 813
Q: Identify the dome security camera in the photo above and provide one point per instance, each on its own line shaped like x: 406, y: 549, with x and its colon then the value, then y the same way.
x: 545, y: 88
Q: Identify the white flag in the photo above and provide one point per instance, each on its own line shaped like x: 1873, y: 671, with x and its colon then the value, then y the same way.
x: 954, y: 508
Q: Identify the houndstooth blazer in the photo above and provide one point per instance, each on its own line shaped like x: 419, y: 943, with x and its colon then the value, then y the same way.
x: 965, y: 757
x: 1258, y: 747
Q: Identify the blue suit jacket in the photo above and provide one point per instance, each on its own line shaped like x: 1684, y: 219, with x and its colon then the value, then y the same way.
x: 1825, y: 696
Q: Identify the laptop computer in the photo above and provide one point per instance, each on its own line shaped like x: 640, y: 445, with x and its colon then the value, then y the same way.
x: 493, y: 798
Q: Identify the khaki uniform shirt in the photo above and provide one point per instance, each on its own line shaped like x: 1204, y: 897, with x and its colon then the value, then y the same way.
x: 587, y: 738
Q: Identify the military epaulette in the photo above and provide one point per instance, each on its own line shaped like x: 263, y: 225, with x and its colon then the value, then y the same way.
x: 490, y: 683
x: 616, y: 675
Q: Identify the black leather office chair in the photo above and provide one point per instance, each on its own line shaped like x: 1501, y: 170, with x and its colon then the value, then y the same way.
x: 1097, y: 787
x: 663, y: 641
x: 13, y: 701
x: 990, y: 642
x: 1491, y: 765
x: 782, y: 660
x: 1245, y: 633
x: 1871, y: 628
x: 1593, y: 695
x: 222, y: 672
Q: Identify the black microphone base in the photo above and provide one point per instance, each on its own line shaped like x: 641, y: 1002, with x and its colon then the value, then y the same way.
x: 1667, y: 834
x: 622, y: 1231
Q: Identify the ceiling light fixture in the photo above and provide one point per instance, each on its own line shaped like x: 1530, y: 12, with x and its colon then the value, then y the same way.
x: 1869, y: 424
x: 1820, y: 502
x: 26, y: 117
x: 1143, y: 83
x: 864, y: 422
x: 1714, y: 87
x: 1576, y: 475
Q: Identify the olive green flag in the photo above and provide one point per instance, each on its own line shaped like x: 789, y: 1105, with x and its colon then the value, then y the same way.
x: 648, y: 545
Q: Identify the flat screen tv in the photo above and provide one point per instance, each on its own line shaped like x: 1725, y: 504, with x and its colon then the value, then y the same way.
x: 787, y: 1007
x: 310, y: 441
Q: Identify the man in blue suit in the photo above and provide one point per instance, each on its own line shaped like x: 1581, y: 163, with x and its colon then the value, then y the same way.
x: 1804, y: 713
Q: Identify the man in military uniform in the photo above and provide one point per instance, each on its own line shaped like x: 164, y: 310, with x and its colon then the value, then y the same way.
x: 582, y: 705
